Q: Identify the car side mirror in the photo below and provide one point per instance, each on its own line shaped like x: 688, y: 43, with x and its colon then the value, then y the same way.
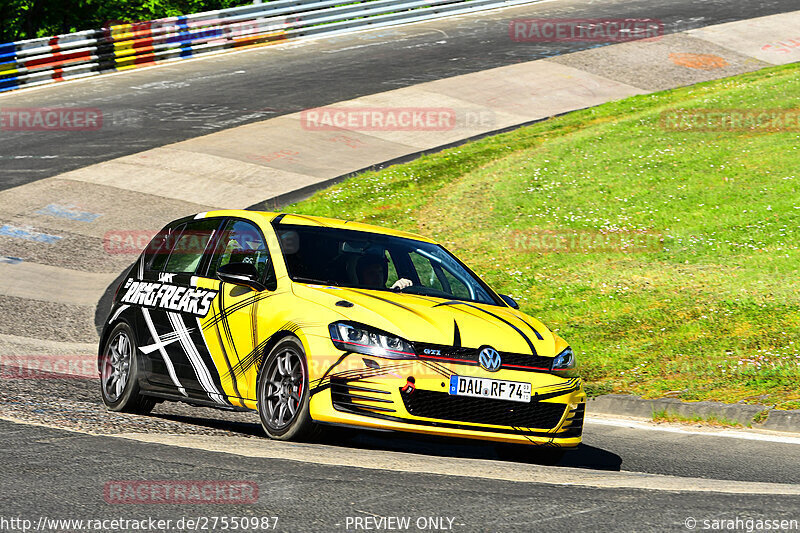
x: 243, y: 274
x: 510, y: 301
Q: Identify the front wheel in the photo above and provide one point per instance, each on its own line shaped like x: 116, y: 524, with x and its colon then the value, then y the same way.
x: 119, y: 372
x: 283, y: 393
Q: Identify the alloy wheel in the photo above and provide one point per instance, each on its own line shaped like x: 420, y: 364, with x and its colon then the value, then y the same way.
x: 116, y: 366
x: 283, y: 388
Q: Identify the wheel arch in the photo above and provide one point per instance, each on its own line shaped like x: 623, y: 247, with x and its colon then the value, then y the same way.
x: 277, y: 337
x: 124, y: 317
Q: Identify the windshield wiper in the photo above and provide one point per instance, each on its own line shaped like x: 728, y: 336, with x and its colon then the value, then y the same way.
x: 315, y: 281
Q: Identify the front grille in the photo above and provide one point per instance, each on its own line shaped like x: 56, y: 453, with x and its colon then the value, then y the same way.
x: 352, y: 395
x: 470, y: 356
x: 443, y: 406
x: 519, y: 359
x: 452, y: 352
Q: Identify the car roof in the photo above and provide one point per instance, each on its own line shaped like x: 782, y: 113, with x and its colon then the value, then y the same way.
x: 308, y: 220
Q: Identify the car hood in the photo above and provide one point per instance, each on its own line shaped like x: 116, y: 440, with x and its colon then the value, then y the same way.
x: 436, y: 320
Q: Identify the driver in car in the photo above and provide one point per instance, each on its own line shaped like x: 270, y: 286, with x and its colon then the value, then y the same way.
x: 373, y: 271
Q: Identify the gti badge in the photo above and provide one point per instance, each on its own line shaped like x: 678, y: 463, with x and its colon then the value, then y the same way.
x: 489, y: 359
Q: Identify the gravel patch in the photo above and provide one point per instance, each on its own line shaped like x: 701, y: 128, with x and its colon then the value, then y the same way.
x: 52, y: 321
x: 75, y: 403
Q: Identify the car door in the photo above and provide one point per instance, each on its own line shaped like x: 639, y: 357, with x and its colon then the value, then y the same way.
x: 231, y: 329
x: 172, y: 342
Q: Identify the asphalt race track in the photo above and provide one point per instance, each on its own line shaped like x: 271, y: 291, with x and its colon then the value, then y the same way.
x: 307, y: 496
x: 60, y: 447
x: 167, y: 104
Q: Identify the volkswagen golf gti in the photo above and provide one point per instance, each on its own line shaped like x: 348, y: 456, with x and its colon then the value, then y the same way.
x: 312, y: 321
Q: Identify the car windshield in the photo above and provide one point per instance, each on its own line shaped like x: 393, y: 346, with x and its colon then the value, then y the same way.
x: 348, y: 258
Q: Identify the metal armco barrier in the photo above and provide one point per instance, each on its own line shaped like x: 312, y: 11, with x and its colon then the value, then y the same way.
x: 89, y: 53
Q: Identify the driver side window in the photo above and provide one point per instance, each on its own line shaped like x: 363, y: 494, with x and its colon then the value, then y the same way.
x: 242, y: 242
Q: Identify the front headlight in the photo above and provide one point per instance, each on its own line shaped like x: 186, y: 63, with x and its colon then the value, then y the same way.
x: 564, y: 361
x: 352, y: 337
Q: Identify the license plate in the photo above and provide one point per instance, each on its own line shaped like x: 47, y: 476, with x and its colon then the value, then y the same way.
x: 497, y: 389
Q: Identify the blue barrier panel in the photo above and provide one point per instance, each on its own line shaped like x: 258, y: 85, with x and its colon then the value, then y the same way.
x: 9, y: 84
x: 186, y: 49
x: 8, y: 51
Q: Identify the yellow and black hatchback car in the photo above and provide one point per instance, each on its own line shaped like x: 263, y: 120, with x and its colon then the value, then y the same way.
x: 312, y: 321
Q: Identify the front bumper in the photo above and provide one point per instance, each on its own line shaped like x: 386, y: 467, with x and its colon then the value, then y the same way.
x: 372, y: 392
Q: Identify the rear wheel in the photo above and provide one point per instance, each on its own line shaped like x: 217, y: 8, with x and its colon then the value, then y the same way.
x: 119, y: 372
x: 283, y: 394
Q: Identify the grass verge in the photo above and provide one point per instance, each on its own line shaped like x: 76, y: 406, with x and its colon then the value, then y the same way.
x: 674, y: 418
x: 668, y: 259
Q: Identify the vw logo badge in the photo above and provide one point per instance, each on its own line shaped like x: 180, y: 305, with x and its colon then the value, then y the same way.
x: 489, y: 359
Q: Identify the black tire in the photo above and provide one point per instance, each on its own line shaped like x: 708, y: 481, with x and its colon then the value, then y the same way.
x: 123, y: 397
x: 283, y: 394
x: 524, y: 453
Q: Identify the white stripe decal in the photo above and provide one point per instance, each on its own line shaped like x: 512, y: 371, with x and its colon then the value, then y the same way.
x: 141, y: 267
x: 167, y: 360
x: 163, y: 340
x: 201, y: 215
x: 200, y: 369
x: 200, y: 329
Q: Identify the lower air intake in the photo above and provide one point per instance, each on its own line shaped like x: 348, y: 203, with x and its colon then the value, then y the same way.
x: 443, y: 406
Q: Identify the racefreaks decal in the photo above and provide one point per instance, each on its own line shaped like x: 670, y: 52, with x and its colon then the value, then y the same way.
x: 167, y: 296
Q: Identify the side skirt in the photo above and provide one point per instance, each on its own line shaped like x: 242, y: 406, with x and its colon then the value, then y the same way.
x: 196, y: 402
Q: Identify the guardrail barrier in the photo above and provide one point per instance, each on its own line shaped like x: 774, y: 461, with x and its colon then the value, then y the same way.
x: 126, y: 46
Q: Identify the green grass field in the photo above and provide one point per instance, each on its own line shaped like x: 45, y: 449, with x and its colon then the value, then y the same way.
x: 709, y: 309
